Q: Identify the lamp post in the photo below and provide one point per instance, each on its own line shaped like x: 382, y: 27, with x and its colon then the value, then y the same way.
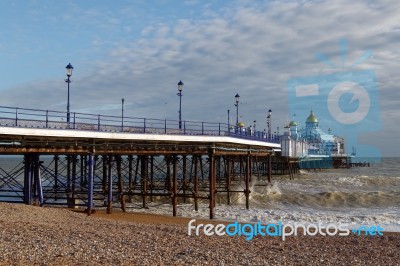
x: 122, y: 114
x: 180, y: 88
x: 237, y: 97
x: 269, y: 125
x: 229, y: 121
x: 69, y: 69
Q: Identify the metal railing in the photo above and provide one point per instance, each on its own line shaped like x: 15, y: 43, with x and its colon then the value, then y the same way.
x: 36, y: 118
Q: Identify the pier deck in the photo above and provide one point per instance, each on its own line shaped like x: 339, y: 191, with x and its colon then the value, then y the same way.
x: 98, y: 162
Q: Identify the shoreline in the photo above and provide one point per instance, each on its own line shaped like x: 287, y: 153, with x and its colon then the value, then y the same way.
x: 145, y: 218
x: 59, y: 236
x: 157, y: 219
x: 231, y: 213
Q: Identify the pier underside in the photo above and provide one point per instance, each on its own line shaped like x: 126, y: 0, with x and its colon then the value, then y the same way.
x: 110, y: 173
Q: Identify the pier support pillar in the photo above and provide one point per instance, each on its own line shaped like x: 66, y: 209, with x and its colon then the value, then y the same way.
x: 168, y: 179
x: 212, y: 180
x: 269, y: 168
x: 151, y: 177
x: 184, y: 177
x: 104, y: 179
x: 143, y: 172
x: 250, y: 168
x: 71, y: 199
x: 110, y: 185
x: 28, y: 179
x: 228, y: 180
x: 82, y: 171
x: 247, y: 181
x: 196, y: 182
x: 130, y: 177
x: 68, y: 188
x: 56, y: 160
x: 118, y: 159
x: 90, y: 184
x: 174, y: 185
x: 39, y: 181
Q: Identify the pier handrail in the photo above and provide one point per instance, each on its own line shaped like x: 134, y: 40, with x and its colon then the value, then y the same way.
x: 39, y: 118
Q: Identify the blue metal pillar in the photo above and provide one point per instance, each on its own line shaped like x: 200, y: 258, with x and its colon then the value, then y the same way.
x: 174, y: 185
x: 110, y: 185
x: 39, y: 183
x: 121, y: 195
x: 73, y: 176
x: 56, y: 158
x: 90, y: 184
x: 68, y: 188
x: 247, y: 181
x: 212, y: 181
x: 144, y: 175
x: 269, y: 168
x: 28, y: 180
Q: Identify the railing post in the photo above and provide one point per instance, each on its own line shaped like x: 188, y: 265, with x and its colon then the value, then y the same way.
x: 47, y: 118
x: 184, y: 127
x: 98, y: 123
x: 144, y: 125
x: 165, y: 126
x: 202, y: 128
x: 16, y: 116
x: 219, y: 129
x: 74, y: 120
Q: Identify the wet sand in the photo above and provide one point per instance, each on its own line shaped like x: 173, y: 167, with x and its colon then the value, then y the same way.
x: 57, y: 236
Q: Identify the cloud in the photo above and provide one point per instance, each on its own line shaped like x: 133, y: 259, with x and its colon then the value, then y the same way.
x: 251, y: 49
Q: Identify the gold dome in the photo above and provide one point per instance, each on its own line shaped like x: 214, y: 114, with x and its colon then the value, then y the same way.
x: 312, y: 118
x: 240, y: 124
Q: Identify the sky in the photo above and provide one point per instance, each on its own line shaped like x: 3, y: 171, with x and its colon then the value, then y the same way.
x: 139, y: 50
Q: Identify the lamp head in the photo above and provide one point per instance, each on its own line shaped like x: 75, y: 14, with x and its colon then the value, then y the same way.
x: 237, y: 96
x: 180, y: 86
x: 69, y: 69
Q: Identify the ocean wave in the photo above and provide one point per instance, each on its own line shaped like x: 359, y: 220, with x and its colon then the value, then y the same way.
x: 389, y: 218
x: 340, y: 199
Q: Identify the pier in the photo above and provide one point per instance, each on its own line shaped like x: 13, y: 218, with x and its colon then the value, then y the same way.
x: 98, y: 161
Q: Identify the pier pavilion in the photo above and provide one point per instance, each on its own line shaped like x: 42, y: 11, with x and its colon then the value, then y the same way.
x: 314, y: 147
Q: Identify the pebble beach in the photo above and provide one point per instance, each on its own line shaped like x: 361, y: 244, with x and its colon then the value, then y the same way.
x: 33, y: 235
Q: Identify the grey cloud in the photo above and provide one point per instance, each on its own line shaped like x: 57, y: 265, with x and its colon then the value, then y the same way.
x: 251, y: 50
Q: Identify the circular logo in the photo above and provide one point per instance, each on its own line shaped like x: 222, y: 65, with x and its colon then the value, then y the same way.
x: 359, y: 93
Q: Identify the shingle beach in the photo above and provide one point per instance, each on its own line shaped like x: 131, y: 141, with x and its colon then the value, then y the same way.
x: 55, y: 236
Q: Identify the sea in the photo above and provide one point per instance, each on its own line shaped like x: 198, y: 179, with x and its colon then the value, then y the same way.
x: 357, y: 196
x: 368, y: 196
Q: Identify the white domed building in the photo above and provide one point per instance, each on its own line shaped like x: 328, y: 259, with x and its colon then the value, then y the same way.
x: 311, y: 141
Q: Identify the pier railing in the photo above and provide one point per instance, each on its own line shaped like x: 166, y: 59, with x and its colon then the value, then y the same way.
x: 36, y: 118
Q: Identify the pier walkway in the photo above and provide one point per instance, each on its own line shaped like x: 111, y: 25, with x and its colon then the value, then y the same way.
x: 98, y: 160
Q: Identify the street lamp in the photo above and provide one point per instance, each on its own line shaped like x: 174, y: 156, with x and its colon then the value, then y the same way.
x: 237, y: 108
x: 122, y: 114
x: 69, y: 69
x: 269, y: 125
x: 229, y: 121
x: 180, y: 88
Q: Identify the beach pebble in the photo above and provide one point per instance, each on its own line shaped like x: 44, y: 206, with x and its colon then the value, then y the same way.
x: 56, y: 236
